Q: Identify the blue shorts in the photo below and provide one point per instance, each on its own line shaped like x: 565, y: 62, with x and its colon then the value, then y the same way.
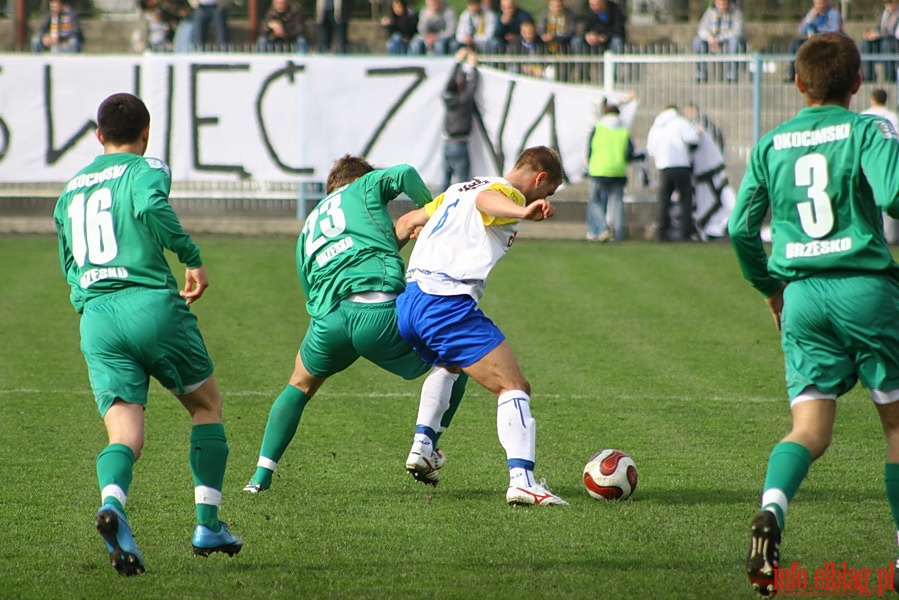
x: 445, y: 330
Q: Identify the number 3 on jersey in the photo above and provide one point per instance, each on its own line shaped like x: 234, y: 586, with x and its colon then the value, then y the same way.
x: 815, y: 215
x: 330, y: 221
x: 93, y: 234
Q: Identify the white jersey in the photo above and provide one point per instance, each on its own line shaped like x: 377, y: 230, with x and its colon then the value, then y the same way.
x: 459, y: 245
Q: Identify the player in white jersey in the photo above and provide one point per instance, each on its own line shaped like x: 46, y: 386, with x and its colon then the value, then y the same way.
x: 460, y: 237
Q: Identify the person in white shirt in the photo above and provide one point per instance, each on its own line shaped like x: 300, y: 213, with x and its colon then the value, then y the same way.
x: 461, y: 236
x: 879, y: 108
x: 671, y: 141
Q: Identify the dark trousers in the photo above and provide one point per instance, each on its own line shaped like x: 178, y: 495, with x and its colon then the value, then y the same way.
x: 456, y: 162
x: 328, y: 27
x: 678, y: 179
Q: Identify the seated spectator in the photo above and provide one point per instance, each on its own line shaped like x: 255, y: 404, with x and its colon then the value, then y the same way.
x: 157, y: 33
x: 602, y: 28
x: 881, y: 39
x: 557, y: 26
x: 436, y: 29
x: 285, y: 28
x: 508, y: 26
x: 476, y: 27
x: 401, y: 26
x: 720, y: 32
x: 214, y: 14
x: 332, y: 18
x: 60, y: 30
x: 822, y: 18
x: 528, y: 43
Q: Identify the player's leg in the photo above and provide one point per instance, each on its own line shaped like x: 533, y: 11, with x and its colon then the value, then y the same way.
x: 788, y: 465
x: 283, y: 421
x: 818, y: 370
x: 115, y: 468
x: 208, y: 458
x: 115, y: 375
x: 326, y: 349
x: 375, y: 336
x: 435, y: 411
x: 499, y: 372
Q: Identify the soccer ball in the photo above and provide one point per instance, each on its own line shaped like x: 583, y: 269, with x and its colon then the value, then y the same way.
x: 610, y: 475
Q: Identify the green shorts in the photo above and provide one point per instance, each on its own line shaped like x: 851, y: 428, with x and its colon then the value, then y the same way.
x: 357, y: 329
x: 130, y: 335
x: 839, y: 329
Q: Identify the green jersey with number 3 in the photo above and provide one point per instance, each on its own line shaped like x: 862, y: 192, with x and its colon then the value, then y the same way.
x: 826, y: 175
x: 348, y: 245
x: 114, y: 221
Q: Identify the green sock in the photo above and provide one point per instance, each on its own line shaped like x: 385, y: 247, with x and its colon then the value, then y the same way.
x: 115, y: 468
x: 283, y: 420
x: 787, y: 467
x: 455, y: 399
x: 208, y: 457
x: 891, y: 482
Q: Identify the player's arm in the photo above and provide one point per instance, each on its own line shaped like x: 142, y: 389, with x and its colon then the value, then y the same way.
x: 744, y: 228
x: 409, y: 224
x: 404, y: 178
x: 498, y: 205
x: 880, y: 163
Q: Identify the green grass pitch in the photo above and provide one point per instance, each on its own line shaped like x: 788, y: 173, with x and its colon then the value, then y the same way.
x: 662, y: 351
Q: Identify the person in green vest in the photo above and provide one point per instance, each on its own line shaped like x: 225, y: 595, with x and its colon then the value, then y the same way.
x: 609, y: 151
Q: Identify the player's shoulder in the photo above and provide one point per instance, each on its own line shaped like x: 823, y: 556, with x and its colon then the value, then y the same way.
x: 158, y: 164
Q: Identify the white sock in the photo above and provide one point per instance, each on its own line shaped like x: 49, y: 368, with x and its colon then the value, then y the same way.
x: 435, y: 400
x: 435, y: 397
x: 516, y: 428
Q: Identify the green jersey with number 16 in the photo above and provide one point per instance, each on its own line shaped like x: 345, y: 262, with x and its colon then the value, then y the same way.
x: 113, y: 222
x: 826, y: 175
x: 348, y: 245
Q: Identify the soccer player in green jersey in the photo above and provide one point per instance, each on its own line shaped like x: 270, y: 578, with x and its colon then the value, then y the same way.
x: 351, y: 272
x: 114, y: 222
x: 830, y: 281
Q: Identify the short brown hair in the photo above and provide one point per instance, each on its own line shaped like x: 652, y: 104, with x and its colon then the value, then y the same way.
x: 541, y: 158
x: 122, y: 118
x: 346, y: 169
x: 828, y: 65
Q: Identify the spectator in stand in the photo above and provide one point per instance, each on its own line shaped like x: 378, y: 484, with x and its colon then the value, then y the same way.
x: 332, y: 18
x: 508, y: 26
x: 881, y: 39
x: 476, y: 27
x: 60, y: 31
x: 530, y: 44
x: 436, y: 29
x: 822, y: 18
x: 157, y: 32
x: 211, y: 13
x: 602, y: 28
x: 720, y: 32
x: 401, y: 26
x: 285, y: 28
x: 557, y: 26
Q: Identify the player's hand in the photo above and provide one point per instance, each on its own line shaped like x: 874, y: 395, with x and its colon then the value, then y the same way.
x: 776, y: 306
x: 538, y: 210
x: 195, y: 283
